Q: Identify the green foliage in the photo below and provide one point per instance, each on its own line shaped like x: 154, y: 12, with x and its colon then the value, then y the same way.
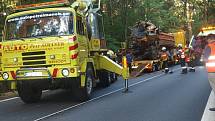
x: 120, y: 15
x: 112, y: 43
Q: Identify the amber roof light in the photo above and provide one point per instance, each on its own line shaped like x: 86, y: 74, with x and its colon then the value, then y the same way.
x: 40, y: 5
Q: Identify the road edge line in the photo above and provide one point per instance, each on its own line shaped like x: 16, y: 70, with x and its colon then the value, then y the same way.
x: 96, y: 98
x: 206, y: 114
x: 5, y: 100
x: 13, y: 98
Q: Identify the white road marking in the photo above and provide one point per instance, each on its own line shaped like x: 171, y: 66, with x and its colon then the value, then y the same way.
x: 5, y: 100
x: 13, y: 98
x: 96, y: 98
x: 209, y: 115
x: 44, y: 91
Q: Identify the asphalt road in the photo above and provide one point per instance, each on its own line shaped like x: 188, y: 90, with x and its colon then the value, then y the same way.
x: 152, y: 97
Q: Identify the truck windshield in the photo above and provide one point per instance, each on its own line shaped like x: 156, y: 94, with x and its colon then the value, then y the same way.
x: 37, y: 25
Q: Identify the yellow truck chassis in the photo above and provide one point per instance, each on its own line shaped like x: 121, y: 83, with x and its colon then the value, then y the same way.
x: 76, y: 60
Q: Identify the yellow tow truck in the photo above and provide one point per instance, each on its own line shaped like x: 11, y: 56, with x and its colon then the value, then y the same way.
x: 54, y: 45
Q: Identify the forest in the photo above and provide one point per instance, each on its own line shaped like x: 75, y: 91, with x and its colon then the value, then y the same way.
x: 120, y: 15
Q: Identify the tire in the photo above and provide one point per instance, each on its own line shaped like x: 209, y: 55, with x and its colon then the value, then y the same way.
x: 113, y: 77
x: 153, y: 68
x: 110, y: 77
x: 104, y: 80
x: 156, y: 67
x: 28, y: 93
x: 166, y: 71
x: 192, y: 70
x: 84, y: 93
x: 184, y: 71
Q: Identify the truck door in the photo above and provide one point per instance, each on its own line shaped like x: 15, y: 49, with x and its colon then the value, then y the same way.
x: 82, y: 38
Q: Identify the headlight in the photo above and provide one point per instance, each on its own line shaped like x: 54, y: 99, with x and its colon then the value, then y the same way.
x: 5, y: 75
x: 65, y: 72
x: 15, y: 59
x: 52, y: 56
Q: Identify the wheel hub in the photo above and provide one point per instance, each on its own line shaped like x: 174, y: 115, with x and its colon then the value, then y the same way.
x: 89, y: 85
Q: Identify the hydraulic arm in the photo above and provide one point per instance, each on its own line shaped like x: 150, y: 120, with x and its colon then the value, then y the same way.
x: 103, y: 62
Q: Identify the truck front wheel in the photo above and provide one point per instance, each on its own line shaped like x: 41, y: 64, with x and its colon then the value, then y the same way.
x: 28, y: 93
x: 84, y: 93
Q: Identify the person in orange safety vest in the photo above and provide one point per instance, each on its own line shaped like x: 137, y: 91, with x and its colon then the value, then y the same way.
x: 209, y: 58
x: 191, y: 60
x: 209, y: 54
x: 164, y: 57
x: 183, y: 58
x: 187, y: 54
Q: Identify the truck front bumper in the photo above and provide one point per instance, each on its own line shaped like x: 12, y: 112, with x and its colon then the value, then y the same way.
x: 39, y: 73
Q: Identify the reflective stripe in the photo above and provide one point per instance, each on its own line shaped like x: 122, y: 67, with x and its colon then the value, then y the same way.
x: 13, y: 74
x: 211, y: 58
x: 74, y: 56
x: 182, y: 56
x: 164, y: 55
x: 73, y: 47
x: 124, y: 60
x: 55, y: 72
x: 210, y: 64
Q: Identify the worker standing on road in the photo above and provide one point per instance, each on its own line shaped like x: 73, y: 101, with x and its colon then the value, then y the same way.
x: 209, y: 51
x: 186, y: 51
x: 164, y: 59
x: 129, y: 58
x: 209, y: 58
x: 182, y: 56
x: 191, y: 60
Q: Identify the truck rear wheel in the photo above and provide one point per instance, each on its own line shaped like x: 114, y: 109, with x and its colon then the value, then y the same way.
x: 104, y: 78
x: 84, y: 93
x: 153, y: 68
x: 113, y: 77
x: 28, y: 93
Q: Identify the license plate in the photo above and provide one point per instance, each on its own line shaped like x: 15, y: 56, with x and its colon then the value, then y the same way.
x: 29, y: 74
